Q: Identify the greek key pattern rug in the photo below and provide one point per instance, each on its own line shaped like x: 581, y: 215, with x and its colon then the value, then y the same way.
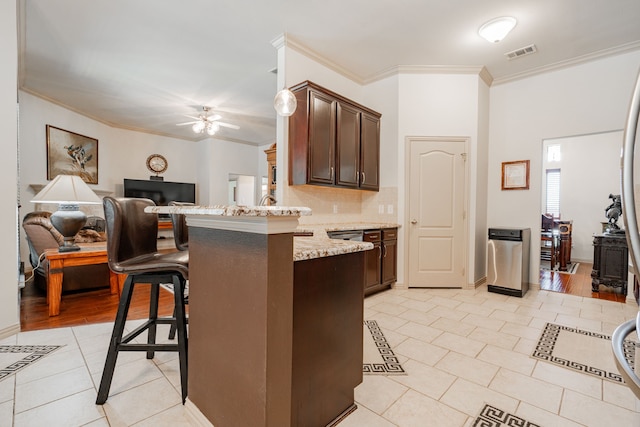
x: 16, y: 357
x: 494, y: 417
x: 378, y: 357
x: 582, y: 351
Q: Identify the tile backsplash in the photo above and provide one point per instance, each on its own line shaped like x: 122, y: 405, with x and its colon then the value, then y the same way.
x: 339, y: 205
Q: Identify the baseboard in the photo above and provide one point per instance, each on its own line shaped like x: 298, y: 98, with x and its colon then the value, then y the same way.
x: 8, y: 331
x: 195, y: 415
x: 397, y: 285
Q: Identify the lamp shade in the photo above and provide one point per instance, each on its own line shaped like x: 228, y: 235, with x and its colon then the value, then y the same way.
x: 497, y: 29
x: 67, y: 189
x: 285, y: 102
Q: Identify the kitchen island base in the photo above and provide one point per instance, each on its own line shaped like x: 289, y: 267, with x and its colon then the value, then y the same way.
x: 272, y: 342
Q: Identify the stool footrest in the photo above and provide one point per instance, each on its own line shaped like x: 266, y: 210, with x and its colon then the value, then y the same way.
x: 146, y: 347
x: 146, y: 325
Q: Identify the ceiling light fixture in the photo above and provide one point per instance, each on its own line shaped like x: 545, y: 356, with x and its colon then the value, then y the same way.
x: 497, y: 29
x: 285, y: 102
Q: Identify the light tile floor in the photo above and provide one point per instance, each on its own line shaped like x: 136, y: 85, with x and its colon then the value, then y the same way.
x: 460, y: 348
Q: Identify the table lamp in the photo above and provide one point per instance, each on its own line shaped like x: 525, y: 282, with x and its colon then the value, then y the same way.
x: 68, y: 191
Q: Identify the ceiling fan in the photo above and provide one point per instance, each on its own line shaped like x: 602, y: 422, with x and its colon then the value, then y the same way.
x: 209, y: 123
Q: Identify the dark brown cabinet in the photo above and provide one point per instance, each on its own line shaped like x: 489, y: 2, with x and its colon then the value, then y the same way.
x: 381, y: 262
x: 389, y: 255
x: 373, y: 261
x: 333, y: 141
x: 610, y: 261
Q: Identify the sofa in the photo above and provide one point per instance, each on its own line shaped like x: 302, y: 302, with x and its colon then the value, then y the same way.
x: 41, y: 235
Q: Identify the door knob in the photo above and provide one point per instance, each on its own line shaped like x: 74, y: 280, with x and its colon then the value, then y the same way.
x: 414, y: 222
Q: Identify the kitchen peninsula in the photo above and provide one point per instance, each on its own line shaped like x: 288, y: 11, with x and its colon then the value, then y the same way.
x: 275, y: 321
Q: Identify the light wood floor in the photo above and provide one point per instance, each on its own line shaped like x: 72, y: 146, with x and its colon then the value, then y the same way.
x: 577, y: 284
x: 100, y: 306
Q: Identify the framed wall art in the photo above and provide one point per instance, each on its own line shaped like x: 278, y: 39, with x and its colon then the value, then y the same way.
x: 69, y: 153
x: 515, y: 175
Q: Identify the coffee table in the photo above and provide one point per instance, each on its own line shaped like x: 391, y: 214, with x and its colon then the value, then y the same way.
x: 89, y: 254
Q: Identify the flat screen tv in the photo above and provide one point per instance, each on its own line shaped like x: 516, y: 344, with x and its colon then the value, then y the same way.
x: 161, y: 192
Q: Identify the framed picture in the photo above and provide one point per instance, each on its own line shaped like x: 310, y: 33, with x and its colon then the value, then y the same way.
x: 515, y: 175
x: 69, y: 153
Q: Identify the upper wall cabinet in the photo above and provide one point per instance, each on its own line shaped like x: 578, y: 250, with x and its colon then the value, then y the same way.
x: 333, y: 141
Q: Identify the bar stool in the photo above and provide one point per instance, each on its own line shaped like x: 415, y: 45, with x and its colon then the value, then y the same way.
x: 181, y: 240
x: 132, y: 250
x: 180, y: 229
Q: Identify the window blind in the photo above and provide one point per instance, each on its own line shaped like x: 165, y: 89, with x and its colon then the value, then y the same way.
x: 553, y: 192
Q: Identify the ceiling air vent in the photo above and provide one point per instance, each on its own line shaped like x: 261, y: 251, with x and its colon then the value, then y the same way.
x: 523, y: 51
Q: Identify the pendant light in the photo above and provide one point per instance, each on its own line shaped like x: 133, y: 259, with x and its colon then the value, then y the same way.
x: 285, y: 102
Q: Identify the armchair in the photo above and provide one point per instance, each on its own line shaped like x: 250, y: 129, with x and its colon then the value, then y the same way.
x: 41, y: 235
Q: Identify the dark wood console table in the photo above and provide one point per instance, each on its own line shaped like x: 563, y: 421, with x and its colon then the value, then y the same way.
x: 610, y: 261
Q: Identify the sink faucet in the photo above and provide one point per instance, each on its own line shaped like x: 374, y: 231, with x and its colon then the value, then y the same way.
x: 263, y: 201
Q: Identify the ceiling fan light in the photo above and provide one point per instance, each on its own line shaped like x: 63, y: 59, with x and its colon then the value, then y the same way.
x: 212, y: 128
x: 497, y: 29
x: 198, y: 127
x: 285, y: 102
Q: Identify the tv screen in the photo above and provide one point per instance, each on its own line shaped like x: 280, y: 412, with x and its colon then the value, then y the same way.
x: 161, y: 192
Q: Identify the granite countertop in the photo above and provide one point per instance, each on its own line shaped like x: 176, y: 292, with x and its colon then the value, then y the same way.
x: 321, y: 229
x: 305, y: 247
x: 318, y: 247
x: 232, y: 210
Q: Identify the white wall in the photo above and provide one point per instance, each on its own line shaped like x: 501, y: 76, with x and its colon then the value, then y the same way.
x: 579, y: 100
x: 9, y: 318
x: 123, y: 154
x: 221, y: 158
x: 445, y: 105
x: 584, y: 195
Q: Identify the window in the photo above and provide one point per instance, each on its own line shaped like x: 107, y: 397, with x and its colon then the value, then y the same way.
x: 553, y: 192
x: 553, y: 153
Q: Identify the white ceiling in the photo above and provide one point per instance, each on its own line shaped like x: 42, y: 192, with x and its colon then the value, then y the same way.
x: 146, y: 64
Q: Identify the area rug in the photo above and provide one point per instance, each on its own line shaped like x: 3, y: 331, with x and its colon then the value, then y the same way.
x: 13, y: 358
x: 378, y: 357
x: 493, y: 417
x: 582, y: 351
x: 571, y: 268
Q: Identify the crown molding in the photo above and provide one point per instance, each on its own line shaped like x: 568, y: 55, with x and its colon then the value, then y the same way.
x: 479, y: 70
x: 195, y: 138
x: 627, y: 47
x: 294, y: 44
x: 290, y: 42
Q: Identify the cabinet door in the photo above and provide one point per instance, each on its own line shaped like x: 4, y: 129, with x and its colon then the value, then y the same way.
x: 370, y: 152
x: 322, y: 139
x: 348, y: 145
x: 372, y: 266
x: 389, y: 261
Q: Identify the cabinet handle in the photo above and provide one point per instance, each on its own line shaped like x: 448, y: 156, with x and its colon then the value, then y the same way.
x: 332, y: 173
x: 414, y: 222
x: 379, y: 251
x: 384, y: 251
x: 363, y: 177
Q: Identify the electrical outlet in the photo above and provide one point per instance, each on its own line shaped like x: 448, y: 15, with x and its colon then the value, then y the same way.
x: 389, y: 209
x: 380, y: 209
x: 335, y: 208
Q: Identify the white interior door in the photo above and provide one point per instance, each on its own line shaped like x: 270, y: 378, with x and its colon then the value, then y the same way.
x: 437, y: 194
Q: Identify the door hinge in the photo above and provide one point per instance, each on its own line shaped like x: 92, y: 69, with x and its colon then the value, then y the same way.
x: 464, y: 156
x: 462, y: 272
x: 464, y: 215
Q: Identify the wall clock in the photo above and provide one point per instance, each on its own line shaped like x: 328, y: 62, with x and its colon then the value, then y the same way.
x: 157, y: 163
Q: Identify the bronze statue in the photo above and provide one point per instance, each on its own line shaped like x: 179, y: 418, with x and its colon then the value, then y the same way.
x: 613, y: 212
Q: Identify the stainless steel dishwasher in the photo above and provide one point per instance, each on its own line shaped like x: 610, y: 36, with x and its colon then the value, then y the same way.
x: 508, y: 261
